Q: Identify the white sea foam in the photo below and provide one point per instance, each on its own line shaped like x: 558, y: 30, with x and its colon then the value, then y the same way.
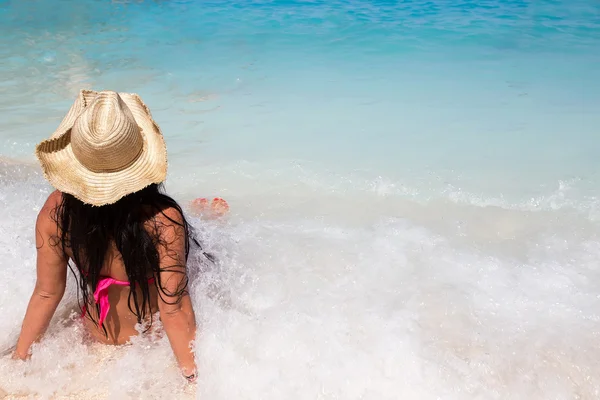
x: 309, y: 304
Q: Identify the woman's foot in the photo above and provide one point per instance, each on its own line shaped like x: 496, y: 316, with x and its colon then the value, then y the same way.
x: 201, y: 208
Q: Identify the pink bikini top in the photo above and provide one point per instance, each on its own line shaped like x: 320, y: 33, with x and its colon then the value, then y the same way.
x: 101, y: 296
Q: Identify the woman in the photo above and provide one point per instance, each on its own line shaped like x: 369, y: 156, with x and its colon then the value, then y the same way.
x: 128, y: 242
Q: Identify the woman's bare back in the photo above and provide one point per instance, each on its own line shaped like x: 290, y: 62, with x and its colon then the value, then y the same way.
x: 120, y: 322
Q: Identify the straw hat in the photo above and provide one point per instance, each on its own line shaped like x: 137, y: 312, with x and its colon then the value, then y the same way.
x: 106, y: 147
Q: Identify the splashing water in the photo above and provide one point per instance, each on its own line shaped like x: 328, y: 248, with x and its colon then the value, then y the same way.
x: 393, y: 307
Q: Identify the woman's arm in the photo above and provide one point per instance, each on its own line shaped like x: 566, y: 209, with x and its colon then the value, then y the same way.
x: 174, y: 303
x: 50, y: 283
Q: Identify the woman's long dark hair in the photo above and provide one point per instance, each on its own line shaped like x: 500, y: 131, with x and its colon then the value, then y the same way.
x: 131, y: 225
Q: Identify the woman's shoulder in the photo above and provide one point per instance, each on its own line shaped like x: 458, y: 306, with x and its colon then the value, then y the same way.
x: 46, y: 222
x: 171, y: 214
x: 168, y: 224
x: 54, y: 198
x: 48, y: 210
x: 166, y: 216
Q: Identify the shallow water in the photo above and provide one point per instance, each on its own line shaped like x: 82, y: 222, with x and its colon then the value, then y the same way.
x: 413, y: 186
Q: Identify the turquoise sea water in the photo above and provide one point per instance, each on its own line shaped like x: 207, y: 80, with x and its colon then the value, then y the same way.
x: 414, y: 188
x: 404, y: 90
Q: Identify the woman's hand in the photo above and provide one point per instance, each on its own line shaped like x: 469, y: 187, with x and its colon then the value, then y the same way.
x: 191, y: 378
x: 18, y: 356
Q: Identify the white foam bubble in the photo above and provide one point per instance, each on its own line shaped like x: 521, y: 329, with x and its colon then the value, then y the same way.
x: 307, y: 304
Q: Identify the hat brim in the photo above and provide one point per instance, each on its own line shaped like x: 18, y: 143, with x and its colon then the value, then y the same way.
x: 62, y: 169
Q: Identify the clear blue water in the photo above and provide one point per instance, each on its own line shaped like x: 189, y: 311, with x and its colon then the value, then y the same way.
x: 425, y: 136
x: 502, y: 89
